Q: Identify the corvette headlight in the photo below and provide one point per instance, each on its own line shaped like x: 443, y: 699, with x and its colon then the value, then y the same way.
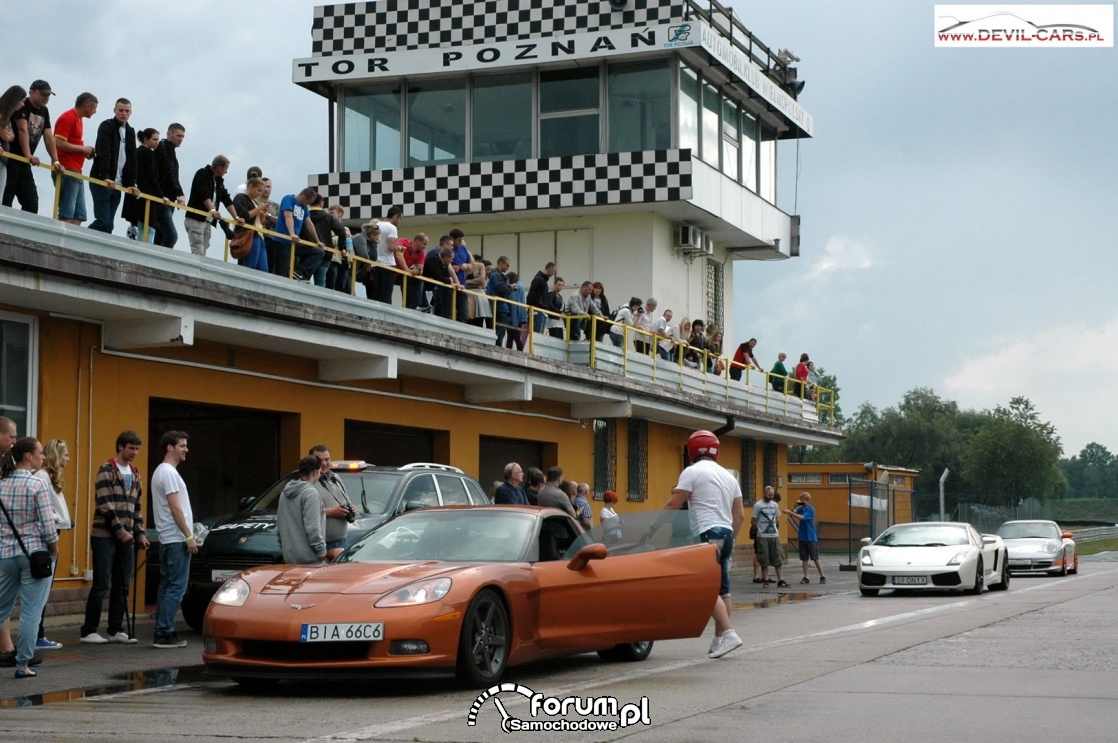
x: 866, y: 558
x: 422, y: 592
x: 1052, y: 546
x: 232, y: 593
x: 959, y: 557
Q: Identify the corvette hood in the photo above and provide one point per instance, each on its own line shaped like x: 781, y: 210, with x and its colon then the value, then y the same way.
x: 371, y: 579
x: 914, y: 556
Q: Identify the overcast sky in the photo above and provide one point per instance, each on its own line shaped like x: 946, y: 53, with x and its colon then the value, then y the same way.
x: 958, y: 206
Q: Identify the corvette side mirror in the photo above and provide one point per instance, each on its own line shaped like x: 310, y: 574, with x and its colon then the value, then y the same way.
x: 583, y: 557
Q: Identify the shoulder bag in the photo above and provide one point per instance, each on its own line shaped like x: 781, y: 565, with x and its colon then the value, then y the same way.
x: 41, y: 563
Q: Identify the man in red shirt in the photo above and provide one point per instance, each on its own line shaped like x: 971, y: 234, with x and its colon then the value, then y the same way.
x: 414, y: 254
x: 69, y: 132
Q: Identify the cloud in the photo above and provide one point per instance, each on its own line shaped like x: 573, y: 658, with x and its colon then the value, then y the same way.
x: 840, y: 254
x: 1067, y: 372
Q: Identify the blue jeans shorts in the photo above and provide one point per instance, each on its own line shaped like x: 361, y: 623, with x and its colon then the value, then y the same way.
x: 721, y: 533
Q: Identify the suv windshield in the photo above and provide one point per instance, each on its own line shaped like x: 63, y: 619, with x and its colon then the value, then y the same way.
x: 371, y: 492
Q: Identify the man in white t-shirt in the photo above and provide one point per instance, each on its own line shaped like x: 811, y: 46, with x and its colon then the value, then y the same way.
x: 665, y: 331
x: 715, y: 510
x: 174, y: 521
x: 383, y: 279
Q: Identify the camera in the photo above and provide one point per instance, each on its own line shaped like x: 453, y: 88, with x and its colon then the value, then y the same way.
x: 351, y: 513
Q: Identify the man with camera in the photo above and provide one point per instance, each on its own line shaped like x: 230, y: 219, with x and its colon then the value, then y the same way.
x: 803, y: 518
x: 340, y: 513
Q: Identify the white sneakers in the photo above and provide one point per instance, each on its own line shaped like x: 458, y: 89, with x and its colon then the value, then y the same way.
x: 728, y: 642
x: 120, y: 637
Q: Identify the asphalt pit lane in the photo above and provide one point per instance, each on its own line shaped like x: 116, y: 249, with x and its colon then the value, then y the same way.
x: 780, y: 598
x: 131, y: 681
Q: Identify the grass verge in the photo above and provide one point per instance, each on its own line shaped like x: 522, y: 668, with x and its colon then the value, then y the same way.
x: 1093, y: 548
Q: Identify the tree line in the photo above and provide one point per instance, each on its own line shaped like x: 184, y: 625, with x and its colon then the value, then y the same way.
x: 1008, y: 451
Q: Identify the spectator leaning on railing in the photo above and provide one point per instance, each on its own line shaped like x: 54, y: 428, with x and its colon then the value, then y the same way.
x: 69, y: 137
x: 30, y: 123
x: 114, y: 161
x: 167, y: 173
x: 207, y: 190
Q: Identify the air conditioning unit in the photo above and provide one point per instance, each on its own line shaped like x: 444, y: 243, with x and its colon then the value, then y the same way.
x: 690, y: 239
x: 708, y: 245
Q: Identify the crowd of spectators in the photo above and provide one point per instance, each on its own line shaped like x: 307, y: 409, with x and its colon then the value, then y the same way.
x: 304, y: 238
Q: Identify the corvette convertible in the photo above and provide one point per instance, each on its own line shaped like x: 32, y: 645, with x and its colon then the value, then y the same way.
x: 1039, y: 547
x: 937, y: 555
x: 465, y: 591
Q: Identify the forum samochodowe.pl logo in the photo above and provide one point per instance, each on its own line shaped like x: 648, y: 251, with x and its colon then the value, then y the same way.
x: 552, y: 714
x: 1024, y: 26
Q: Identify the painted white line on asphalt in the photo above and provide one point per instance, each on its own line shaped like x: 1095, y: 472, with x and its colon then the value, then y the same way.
x: 397, y: 726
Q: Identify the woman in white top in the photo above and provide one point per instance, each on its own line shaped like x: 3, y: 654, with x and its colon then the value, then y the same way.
x: 56, y: 456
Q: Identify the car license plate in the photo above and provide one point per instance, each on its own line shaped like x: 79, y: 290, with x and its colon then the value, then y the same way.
x: 220, y: 576
x: 349, y: 632
x: 910, y: 580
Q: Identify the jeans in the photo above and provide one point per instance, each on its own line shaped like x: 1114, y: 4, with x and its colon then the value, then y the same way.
x: 161, y: 219
x: 724, y: 535
x: 539, y: 322
x: 173, y: 573
x: 21, y: 185
x: 337, y: 277
x: 71, y: 199
x: 334, y: 544
x: 384, y: 280
x: 320, y: 271
x: 105, y: 203
x: 112, y: 574
x: 16, y: 580
x: 199, y: 233
x: 257, y: 257
x: 306, y: 259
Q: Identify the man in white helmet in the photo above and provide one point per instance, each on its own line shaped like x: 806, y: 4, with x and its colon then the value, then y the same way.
x: 714, y: 503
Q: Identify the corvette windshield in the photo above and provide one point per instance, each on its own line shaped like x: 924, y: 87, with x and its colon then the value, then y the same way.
x: 1034, y: 530
x: 921, y: 535
x: 467, y: 535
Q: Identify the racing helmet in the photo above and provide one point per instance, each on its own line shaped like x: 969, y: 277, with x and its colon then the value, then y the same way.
x: 702, y: 444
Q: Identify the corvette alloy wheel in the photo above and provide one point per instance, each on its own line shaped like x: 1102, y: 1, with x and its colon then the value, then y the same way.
x: 484, y: 645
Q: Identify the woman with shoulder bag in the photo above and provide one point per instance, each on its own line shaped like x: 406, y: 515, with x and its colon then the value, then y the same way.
x: 247, y: 245
x: 28, y: 543
x: 56, y: 456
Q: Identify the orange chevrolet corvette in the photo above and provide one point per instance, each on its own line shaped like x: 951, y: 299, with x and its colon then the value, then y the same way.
x: 461, y: 590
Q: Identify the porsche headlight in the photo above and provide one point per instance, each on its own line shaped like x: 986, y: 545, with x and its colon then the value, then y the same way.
x: 232, y: 593
x: 959, y: 557
x: 866, y: 558
x: 422, y: 592
x: 1052, y: 546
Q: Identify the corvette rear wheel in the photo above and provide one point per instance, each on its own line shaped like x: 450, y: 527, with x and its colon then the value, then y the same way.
x: 628, y: 652
x: 979, y: 581
x: 483, y: 648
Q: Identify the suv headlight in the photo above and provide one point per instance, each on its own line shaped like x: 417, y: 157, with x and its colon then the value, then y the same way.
x: 421, y: 592
x: 232, y: 593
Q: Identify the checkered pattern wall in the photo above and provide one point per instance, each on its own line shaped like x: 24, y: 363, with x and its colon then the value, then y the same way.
x: 514, y: 185
x: 397, y: 25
